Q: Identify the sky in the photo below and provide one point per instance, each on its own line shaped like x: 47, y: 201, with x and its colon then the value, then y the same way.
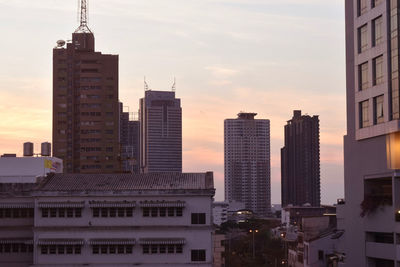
x: 264, y: 56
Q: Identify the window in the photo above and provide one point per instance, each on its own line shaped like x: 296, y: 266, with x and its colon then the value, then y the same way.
x: 52, y: 249
x: 378, y: 109
x: 61, y: 249
x: 361, y: 7
x: 198, y: 218
x: 171, y: 249
x: 154, y: 249
x: 113, y: 212
x: 61, y: 212
x: 121, y: 212
x: 377, y: 71
x: 128, y: 249
x: 96, y: 212
x: 146, y: 249
x: 95, y: 249
x: 163, y: 212
x: 171, y: 212
x: 364, y: 121
x: 179, y: 249
x: 69, y: 249
x: 70, y: 212
x: 179, y: 212
x: 146, y: 212
x: 320, y: 255
x: 120, y: 249
x: 104, y: 212
x: 163, y: 249
x: 154, y: 212
x: 198, y: 255
x: 129, y: 212
x: 376, y: 2
x: 78, y: 212
x: 363, y: 76
x: 362, y: 38
x: 44, y: 249
x: 377, y: 31
x: 45, y: 212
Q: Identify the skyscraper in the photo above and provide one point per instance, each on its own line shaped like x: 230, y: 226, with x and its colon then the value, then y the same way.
x: 160, y: 132
x: 371, y: 145
x: 300, y: 171
x: 85, y: 104
x: 247, y: 162
x: 130, y: 142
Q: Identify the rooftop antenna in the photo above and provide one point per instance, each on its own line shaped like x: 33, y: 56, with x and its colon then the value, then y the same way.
x: 173, y: 88
x: 146, y: 86
x: 83, y: 14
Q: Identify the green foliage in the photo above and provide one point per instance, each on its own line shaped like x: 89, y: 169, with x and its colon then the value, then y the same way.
x: 239, y: 244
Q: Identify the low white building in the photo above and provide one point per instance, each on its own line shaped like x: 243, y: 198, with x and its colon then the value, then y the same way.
x: 162, y: 219
x: 220, y: 212
x: 27, y: 169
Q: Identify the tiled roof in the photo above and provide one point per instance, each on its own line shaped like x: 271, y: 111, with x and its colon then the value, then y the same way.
x: 122, y: 182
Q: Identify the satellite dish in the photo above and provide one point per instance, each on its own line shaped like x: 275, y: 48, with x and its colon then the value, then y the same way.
x: 60, y: 43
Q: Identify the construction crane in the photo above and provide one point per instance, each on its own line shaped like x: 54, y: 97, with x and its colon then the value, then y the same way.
x: 83, y: 14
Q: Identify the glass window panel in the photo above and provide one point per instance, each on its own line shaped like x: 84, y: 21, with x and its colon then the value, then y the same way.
x: 363, y: 38
x: 364, y: 118
x: 363, y: 76
x: 377, y: 26
x: 378, y: 70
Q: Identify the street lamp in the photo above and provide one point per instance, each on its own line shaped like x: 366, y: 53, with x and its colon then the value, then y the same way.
x: 254, y: 250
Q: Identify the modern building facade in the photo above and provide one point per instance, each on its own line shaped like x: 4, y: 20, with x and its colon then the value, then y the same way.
x: 160, y: 132
x: 162, y: 219
x: 85, y: 105
x: 130, y: 142
x: 371, y: 145
x: 247, y: 162
x: 300, y: 170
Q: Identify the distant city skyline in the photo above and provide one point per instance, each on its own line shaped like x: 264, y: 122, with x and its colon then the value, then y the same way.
x: 276, y: 58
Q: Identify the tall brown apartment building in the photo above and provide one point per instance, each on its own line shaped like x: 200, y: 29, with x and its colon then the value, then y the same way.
x: 85, y: 105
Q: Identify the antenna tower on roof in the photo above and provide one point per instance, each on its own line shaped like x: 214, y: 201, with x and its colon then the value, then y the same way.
x: 83, y: 13
x: 174, y: 85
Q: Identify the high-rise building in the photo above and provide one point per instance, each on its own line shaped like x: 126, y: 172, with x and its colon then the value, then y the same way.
x: 372, y: 142
x: 160, y: 132
x: 130, y: 142
x: 247, y: 162
x: 300, y: 169
x: 85, y: 104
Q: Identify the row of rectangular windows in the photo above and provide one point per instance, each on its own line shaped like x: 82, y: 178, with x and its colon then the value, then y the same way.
x: 162, y: 212
x: 16, y: 248
x: 16, y: 213
x: 196, y: 254
x: 196, y: 218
